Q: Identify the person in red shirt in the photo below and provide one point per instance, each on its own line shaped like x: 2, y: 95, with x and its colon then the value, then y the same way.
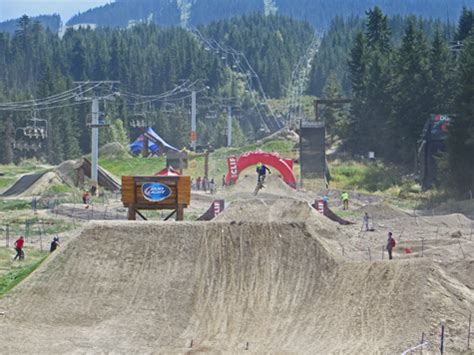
x: 19, y: 248
x: 85, y: 197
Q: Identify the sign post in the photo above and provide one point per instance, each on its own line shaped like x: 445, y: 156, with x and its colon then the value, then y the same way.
x: 156, y: 193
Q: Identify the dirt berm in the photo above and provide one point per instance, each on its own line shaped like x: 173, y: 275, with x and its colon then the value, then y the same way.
x: 130, y: 287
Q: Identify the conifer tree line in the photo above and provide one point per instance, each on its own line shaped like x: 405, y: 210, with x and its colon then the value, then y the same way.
x: 146, y: 59
x: 397, y: 83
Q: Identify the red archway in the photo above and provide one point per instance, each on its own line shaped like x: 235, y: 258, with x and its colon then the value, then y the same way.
x: 238, y: 164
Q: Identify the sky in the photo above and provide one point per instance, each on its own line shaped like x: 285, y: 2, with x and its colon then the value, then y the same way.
x: 11, y: 9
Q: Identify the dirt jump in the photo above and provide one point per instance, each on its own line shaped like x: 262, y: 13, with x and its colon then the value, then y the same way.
x: 22, y: 184
x: 265, y: 276
x: 105, y: 178
x: 32, y: 185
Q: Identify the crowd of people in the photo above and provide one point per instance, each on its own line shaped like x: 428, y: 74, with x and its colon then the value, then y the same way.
x: 204, y: 184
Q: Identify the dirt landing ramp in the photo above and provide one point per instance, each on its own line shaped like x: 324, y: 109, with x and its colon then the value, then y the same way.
x: 125, y: 287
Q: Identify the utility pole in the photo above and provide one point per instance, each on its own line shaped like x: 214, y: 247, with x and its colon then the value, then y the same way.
x: 95, y: 124
x: 193, y: 120
x: 229, y: 126
x: 95, y: 142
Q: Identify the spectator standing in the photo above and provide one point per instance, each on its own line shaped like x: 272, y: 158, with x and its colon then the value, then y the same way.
x: 366, y: 221
x: 391, y: 242
x: 345, y: 200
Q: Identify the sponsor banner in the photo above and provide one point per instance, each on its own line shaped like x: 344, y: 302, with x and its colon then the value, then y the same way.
x: 233, y: 168
x: 155, y: 191
x: 321, y: 206
x: 217, y: 208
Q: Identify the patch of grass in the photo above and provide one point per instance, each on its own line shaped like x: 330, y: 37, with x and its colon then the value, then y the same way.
x: 138, y: 166
x: 60, y: 189
x: 8, y: 205
x: 283, y: 147
x: 349, y: 214
x: 15, y: 272
x: 5, y: 181
x: 369, y: 177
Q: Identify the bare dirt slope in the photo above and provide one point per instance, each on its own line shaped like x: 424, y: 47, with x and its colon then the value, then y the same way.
x: 129, y: 287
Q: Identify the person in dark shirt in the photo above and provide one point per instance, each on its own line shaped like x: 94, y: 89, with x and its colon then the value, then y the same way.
x: 262, y: 172
x: 54, y: 244
x: 391, y: 243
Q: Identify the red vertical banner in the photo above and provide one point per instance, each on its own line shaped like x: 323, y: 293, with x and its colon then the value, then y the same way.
x: 233, y: 168
x: 321, y: 206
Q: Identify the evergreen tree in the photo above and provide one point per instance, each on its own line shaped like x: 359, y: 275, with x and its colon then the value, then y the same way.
x: 6, y: 142
x: 442, y: 71
x: 466, y: 24
x: 377, y: 31
x: 358, y: 73
x: 413, y: 99
x: 78, y: 61
x: 461, y: 131
x: 119, y: 133
x: 335, y: 117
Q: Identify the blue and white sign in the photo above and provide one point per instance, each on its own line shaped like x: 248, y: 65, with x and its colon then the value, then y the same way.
x: 155, y: 191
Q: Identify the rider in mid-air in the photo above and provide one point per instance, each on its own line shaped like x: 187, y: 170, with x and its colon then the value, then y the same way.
x: 262, y: 173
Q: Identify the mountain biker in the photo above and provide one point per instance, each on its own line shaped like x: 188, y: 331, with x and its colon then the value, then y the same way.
x: 262, y: 172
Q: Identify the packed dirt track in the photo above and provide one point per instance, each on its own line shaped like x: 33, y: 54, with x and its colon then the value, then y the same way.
x: 229, y: 286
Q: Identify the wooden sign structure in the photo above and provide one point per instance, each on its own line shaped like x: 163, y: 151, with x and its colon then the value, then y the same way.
x: 156, y: 193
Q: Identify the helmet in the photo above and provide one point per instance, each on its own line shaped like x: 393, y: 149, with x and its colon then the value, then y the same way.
x: 259, y: 165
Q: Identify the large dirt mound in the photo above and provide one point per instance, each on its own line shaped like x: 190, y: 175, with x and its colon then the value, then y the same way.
x: 125, y: 287
x: 280, y: 210
x: 382, y: 211
x: 275, y: 187
x: 465, y: 207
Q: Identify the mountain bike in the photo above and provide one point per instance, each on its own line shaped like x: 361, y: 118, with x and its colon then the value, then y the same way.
x: 260, y: 185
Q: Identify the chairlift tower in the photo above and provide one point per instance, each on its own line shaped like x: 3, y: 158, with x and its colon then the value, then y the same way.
x: 95, y: 124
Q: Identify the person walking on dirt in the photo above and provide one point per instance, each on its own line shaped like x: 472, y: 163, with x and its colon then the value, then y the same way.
x: 391, y: 242
x: 198, y: 183
x: 325, y: 199
x: 366, y: 221
x: 262, y: 173
x: 34, y: 205
x: 345, y: 200
x: 54, y: 244
x: 20, y: 254
x: 212, y: 186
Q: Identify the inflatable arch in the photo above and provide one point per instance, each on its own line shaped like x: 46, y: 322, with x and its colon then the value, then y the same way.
x: 238, y: 164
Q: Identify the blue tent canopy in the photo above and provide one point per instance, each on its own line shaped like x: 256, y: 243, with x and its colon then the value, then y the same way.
x: 154, y: 144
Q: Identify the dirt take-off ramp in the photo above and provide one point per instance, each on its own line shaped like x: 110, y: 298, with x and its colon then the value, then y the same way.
x: 130, y: 287
x: 22, y: 184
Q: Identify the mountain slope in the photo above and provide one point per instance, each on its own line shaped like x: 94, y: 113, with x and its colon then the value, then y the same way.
x: 317, y: 12
x: 51, y: 22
